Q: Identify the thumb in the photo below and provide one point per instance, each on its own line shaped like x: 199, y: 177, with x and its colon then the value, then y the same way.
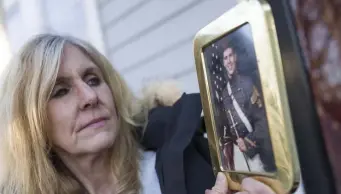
x: 220, y: 186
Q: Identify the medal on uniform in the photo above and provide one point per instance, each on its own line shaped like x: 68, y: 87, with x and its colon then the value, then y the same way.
x: 241, y: 80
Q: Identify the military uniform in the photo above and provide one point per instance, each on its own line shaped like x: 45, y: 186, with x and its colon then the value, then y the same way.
x: 250, y: 102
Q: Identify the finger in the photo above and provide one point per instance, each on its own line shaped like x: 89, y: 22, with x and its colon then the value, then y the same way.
x: 220, y: 186
x: 250, y: 142
x: 244, y: 147
x: 208, y: 191
x: 242, y: 192
x: 240, y: 143
x: 256, y: 187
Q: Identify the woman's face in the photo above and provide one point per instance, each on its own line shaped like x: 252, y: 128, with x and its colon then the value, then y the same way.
x: 81, y: 108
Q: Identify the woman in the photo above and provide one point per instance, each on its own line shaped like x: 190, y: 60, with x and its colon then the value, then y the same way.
x: 71, y: 125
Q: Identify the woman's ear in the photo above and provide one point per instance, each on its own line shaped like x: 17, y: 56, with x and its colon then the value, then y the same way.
x: 160, y: 93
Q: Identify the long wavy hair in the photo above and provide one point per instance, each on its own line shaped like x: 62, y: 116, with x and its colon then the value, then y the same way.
x: 29, y: 163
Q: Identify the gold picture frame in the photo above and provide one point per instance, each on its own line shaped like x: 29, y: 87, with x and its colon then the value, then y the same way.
x: 250, y: 26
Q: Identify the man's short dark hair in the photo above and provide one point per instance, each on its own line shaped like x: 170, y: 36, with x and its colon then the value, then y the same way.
x: 227, y: 45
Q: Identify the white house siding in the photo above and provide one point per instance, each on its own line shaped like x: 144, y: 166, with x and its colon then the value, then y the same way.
x: 153, y: 39
x: 65, y: 17
x: 25, y: 18
x: 22, y: 19
x: 4, y: 45
x: 15, y: 32
x: 77, y: 18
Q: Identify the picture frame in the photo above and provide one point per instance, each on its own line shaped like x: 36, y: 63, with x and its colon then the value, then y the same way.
x: 244, y: 98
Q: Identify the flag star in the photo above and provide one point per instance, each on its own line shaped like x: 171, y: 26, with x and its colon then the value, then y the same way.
x: 213, y: 72
x: 212, y: 54
x: 220, y: 68
x: 220, y: 79
x: 216, y: 56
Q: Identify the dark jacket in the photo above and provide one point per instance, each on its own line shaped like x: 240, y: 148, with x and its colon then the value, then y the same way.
x: 183, y: 163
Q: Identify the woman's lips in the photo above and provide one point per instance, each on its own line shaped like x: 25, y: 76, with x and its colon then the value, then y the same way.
x: 95, y: 123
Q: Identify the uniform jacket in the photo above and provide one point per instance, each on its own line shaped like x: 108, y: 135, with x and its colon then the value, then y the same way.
x: 250, y: 102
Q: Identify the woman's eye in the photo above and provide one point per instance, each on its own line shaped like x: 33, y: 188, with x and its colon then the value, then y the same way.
x: 94, y: 81
x: 60, y: 92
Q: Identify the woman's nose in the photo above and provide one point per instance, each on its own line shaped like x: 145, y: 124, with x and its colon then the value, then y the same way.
x: 87, y: 95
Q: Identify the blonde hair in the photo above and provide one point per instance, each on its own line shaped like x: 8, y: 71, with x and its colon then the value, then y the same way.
x: 27, y: 154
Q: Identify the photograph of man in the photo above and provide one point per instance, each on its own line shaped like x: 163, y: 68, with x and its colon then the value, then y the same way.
x: 246, y: 139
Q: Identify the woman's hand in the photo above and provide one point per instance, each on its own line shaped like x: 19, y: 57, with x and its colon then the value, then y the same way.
x: 241, y: 144
x: 249, y: 186
x: 252, y: 186
x: 220, y: 186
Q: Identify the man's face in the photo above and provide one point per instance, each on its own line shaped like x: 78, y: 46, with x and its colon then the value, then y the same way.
x: 230, y: 59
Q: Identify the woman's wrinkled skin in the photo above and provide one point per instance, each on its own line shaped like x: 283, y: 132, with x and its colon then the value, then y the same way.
x: 84, y: 121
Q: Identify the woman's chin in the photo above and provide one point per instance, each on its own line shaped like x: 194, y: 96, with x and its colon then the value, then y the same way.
x: 98, y: 142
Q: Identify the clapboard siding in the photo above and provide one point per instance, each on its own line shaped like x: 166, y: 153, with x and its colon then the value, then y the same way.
x: 6, y: 4
x: 114, y: 10
x: 166, y: 66
x: 26, y: 18
x: 15, y: 32
x: 65, y: 17
x: 156, y: 39
x: 11, y: 8
x: 184, y: 25
x: 14, y: 24
x: 189, y: 83
x: 150, y: 16
x: 104, y: 2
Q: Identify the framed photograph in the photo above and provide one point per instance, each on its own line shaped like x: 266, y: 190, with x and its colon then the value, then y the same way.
x: 244, y: 97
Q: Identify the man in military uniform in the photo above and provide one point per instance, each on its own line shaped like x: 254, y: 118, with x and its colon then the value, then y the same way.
x: 247, y: 125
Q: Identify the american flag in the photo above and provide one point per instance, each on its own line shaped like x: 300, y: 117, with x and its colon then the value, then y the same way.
x: 214, y: 64
x: 218, y: 81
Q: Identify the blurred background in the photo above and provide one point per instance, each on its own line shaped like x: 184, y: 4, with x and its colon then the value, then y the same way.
x: 146, y: 40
